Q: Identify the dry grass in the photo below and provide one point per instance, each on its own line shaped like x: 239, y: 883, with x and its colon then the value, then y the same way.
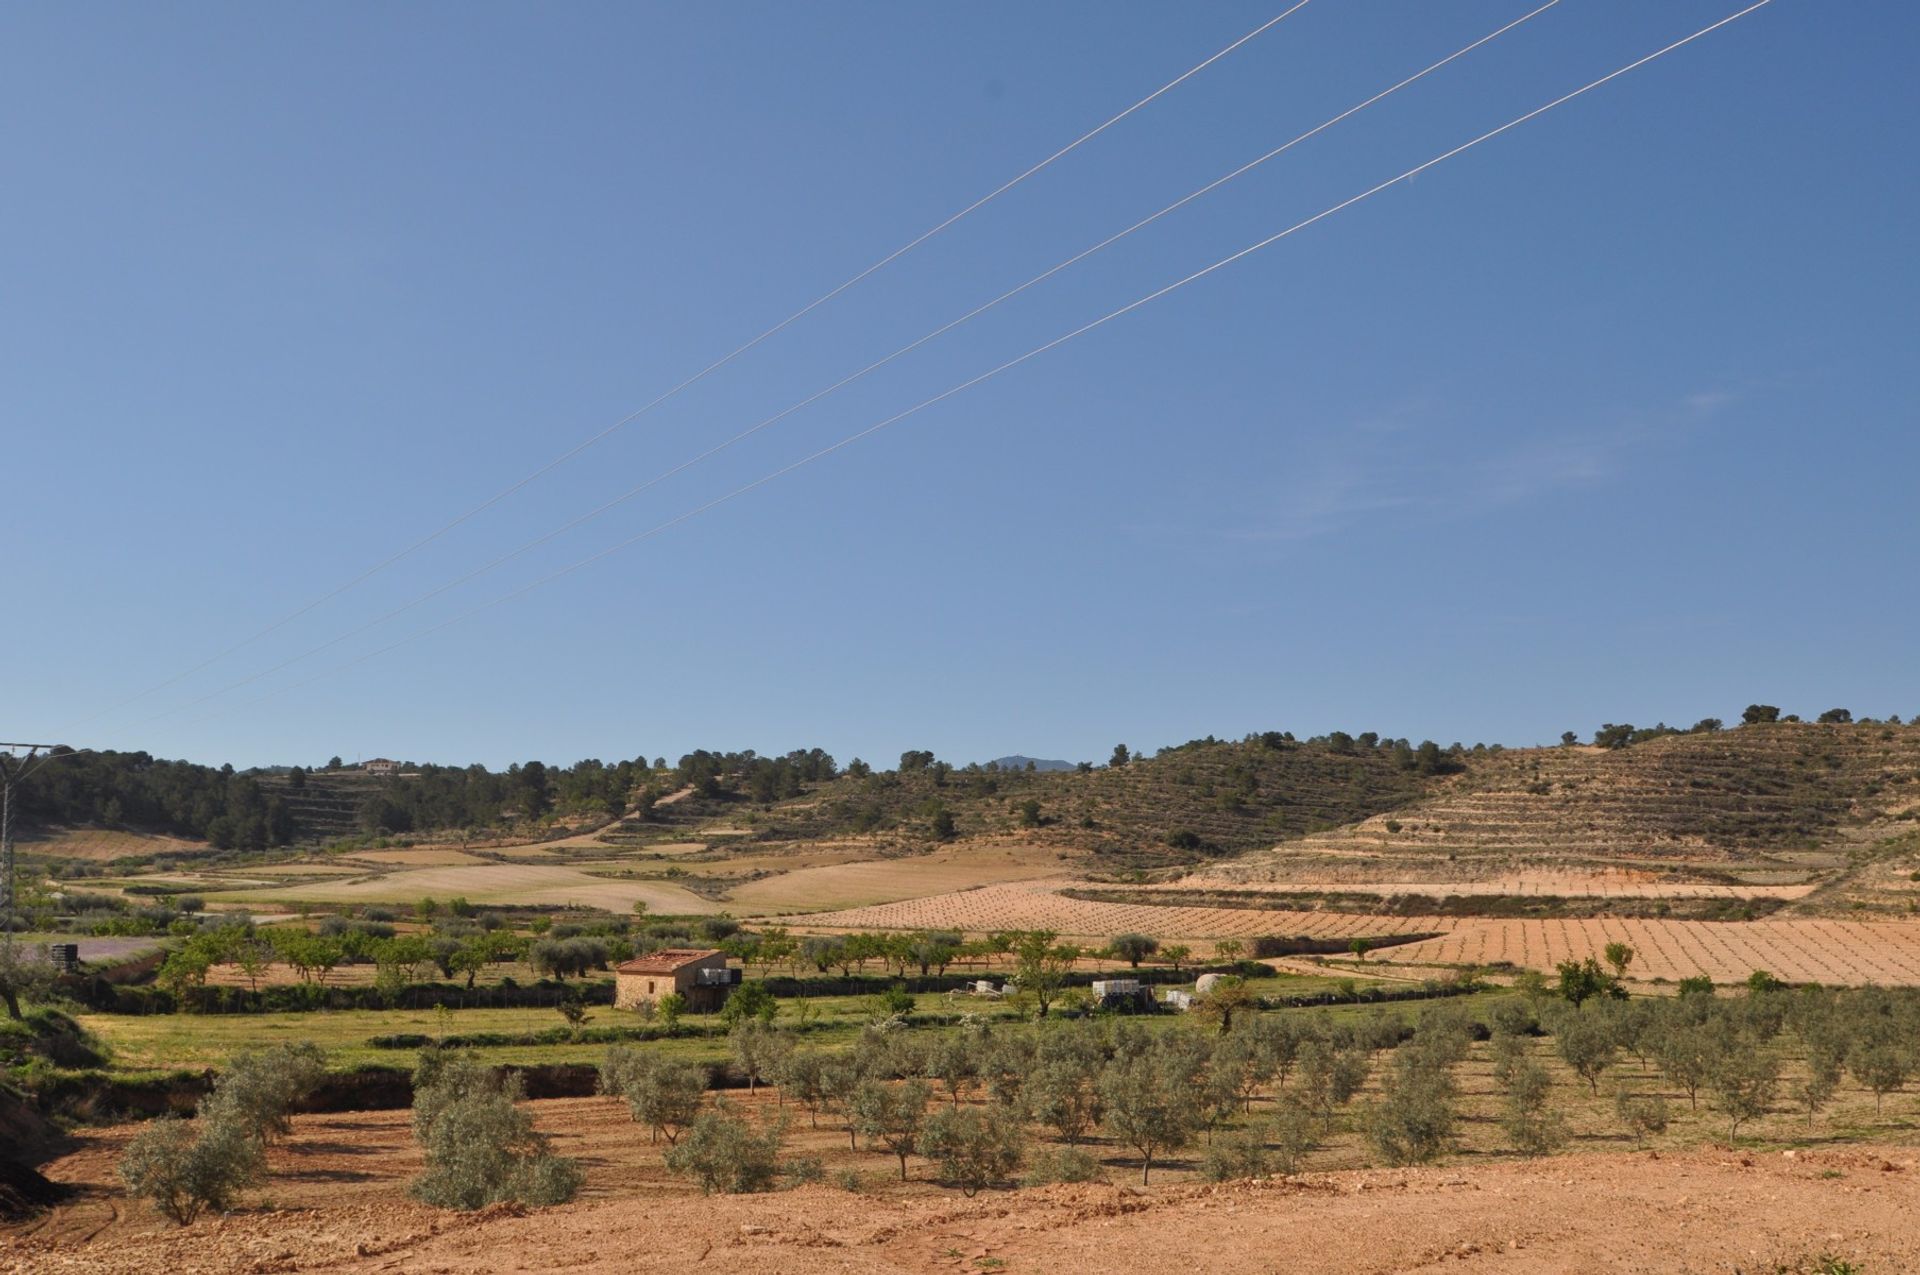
x: 1037, y: 905
x: 858, y: 884
x: 102, y: 845
x: 505, y: 884
x: 416, y: 858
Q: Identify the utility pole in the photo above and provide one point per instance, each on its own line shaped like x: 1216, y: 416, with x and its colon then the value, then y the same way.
x: 14, y: 771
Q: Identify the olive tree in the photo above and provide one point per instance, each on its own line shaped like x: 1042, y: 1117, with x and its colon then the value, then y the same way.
x: 1133, y: 948
x: 724, y: 1153
x: 481, y: 1147
x: 1149, y: 1101
x: 892, y: 1115
x: 1413, y: 1121
x: 974, y: 1148
x: 185, y: 1169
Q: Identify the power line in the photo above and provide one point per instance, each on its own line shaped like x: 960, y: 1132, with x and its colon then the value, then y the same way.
x: 1109, y: 317
x: 849, y: 379
x: 702, y: 374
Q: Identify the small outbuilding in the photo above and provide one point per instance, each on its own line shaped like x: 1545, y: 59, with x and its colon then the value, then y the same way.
x: 701, y: 975
x: 1122, y: 995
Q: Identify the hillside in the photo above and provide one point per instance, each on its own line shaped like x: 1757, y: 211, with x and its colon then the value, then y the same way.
x: 326, y: 803
x: 1200, y: 800
x: 1786, y: 794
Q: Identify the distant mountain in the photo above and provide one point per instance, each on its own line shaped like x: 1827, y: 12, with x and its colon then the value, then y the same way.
x: 1019, y: 762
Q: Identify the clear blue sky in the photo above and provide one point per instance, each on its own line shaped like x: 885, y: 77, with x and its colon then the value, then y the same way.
x: 1611, y: 419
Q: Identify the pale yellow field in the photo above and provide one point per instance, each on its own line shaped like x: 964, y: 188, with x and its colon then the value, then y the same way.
x: 498, y: 883
x: 99, y: 845
x: 852, y: 885
x: 418, y: 858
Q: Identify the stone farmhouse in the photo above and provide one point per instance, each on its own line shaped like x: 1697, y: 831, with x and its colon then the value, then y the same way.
x: 700, y: 975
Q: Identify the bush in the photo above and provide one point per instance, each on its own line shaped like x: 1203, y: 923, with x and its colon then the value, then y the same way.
x: 481, y: 1148
x: 665, y: 1096
x: 1240, y: 1154
x: 893, y: 1002
x: 974, y: 1148
x: 1642, y: 1114
x: 259, y: 1089
x: 749, y: 1000
x: 1294, y: 1132
x: 1148, y: 1100
x: 1534, y: 1129
x: 726, y: 1154
x: 1063, y: 1164
x: 1413, y: 1121
x: 891, y: 1115
x: 183, y: 1171
x: 803, y: 1170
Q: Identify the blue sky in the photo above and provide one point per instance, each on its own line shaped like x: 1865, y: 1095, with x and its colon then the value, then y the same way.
x: 1610, y: 419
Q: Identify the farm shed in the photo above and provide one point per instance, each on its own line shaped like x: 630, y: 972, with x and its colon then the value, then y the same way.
x: 699, y: 974
x: 1123, y: 994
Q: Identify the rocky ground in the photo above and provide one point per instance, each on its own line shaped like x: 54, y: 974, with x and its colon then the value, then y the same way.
x: 337, y: 1202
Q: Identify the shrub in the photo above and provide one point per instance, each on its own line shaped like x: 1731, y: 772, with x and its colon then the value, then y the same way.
x: 1294, y: 1132
x: 1534, y: 1129
x: 1133, y: 948
x: 749, y: 1000
x: 481, y: 1148
x: 725, y: 1154
x: 1240, y: 1154
x: 759, y: 1049
x: 1586, y: 1040
x: 1330, y: 1076
x: 803, y: 1170
x: 892, y: 1115
x: 183, y: 1170
x: 1744, y: 1077
x: 1063, y: 1164
x: 259, y: 1089
x: 663, y: 1095
x: 973, y: 1148
x: 893, y: 1002
x: 1149, y: 1100
x: 1643, y: 1114
x: 1413, y: 1121
x: 1060, y: 1093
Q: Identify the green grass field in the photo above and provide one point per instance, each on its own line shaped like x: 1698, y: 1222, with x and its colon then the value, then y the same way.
x: 160, y: 1042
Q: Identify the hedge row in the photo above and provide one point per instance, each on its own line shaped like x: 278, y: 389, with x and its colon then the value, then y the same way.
x: 108, y: 998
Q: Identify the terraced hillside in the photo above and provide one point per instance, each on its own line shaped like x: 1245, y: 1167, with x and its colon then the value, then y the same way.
x: 1199, y: 800
x: 327, y: 805
x: 1776, y: 792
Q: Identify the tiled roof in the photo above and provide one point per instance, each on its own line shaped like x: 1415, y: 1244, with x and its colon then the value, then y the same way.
x: 667, y: 960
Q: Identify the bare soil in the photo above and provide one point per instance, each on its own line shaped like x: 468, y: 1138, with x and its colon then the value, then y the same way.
x: 337, y: 1202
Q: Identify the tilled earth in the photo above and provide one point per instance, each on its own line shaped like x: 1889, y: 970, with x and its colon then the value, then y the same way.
x: 337, y: 1202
